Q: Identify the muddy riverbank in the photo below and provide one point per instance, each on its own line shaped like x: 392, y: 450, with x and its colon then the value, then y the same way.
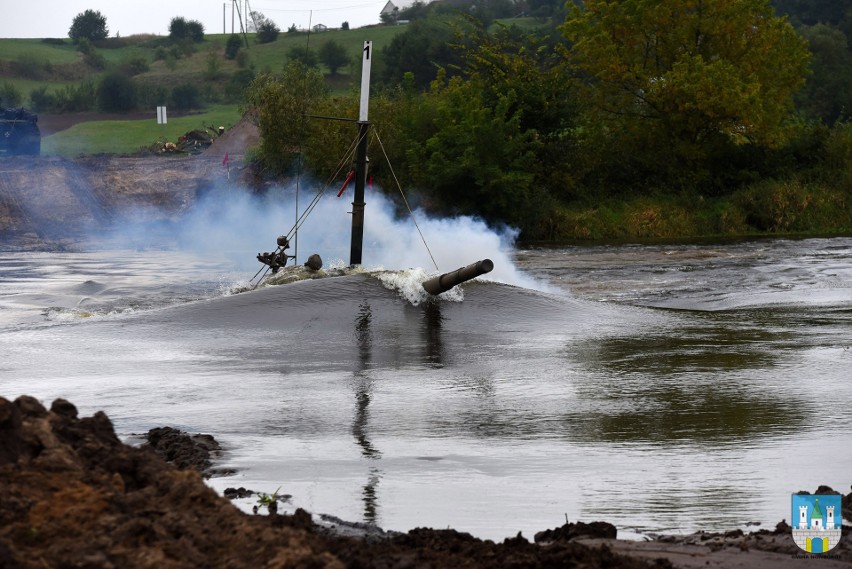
x: 73, y: 495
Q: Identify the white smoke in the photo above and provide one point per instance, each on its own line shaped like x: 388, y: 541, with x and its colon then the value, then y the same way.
x: 231, y: 223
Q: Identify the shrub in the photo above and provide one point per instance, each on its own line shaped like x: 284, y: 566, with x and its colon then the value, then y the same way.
x: 134, y: 65
x: 150, y: 96
x: 232, y: 46
x: 267, y: 32
x: 306, y: 57
x: 90, y: 55
x: 116, y: 93
x: 237, y: 85
x: 182, y: 29
x: 10, y: 96
x: 186, y: 96
x: 41, y: 100
x: 214, y: 68
x: 243, y: 59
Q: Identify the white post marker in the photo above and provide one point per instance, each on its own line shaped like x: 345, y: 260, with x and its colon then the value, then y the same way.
x: 161, y: 116
x: 365, y: 81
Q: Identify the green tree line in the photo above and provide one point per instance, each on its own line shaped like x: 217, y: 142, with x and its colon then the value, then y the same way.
x: 626, y: 119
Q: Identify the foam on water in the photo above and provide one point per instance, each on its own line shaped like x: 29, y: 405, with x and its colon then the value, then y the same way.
x: 409, y: 285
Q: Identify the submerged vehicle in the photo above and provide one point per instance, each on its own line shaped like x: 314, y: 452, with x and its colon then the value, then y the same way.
x: 277, y: 259
x: 19, y: 133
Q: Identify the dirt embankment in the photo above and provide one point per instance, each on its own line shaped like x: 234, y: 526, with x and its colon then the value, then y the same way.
x: 73, y: 495
x: 51, y: 202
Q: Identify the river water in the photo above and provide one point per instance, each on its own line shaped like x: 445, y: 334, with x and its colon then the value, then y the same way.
x: 663, y: 388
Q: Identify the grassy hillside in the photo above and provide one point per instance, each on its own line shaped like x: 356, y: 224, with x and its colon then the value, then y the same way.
x: 26, y: 64
x: 156, y: 65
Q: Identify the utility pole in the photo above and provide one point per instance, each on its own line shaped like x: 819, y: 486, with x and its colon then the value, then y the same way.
x: 357, y: 244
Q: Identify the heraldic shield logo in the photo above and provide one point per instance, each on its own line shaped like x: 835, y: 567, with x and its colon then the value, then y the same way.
x: 817, y: 519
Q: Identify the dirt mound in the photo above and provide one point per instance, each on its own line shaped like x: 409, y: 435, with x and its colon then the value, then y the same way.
x: 235, y: 141
x: 73, y: 495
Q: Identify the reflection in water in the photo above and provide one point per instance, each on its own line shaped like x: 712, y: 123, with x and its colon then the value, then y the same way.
x: 701, y: 384
x: 432, y: 334
x: 360, y: 425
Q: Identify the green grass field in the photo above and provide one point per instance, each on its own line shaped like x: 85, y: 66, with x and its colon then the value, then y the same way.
x: 128, y: 136
x: 28, y: 64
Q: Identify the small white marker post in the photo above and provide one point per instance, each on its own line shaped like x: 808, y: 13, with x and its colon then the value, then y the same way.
x: 161, y: 116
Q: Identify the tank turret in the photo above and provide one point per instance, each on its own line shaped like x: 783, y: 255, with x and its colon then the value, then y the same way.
x: 19, y: 133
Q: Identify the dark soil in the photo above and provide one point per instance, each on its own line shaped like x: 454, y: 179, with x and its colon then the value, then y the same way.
x: 72, y: 495
x: 184, y: 450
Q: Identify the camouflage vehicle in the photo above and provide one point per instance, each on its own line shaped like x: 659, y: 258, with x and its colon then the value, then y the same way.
x: 19, y: 132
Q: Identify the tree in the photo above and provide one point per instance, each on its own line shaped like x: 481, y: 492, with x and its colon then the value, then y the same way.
x: 827, y: 95
x: 267, y: 31
x: 182, y: 29
x: 424, y: 47
x: 814, y: 11
x: 333, y: 55
x: 278, y: 105
x: 680, y: 77
x: 90, y: 24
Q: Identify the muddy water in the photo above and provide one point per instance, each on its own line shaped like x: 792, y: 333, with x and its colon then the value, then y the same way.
x: 660, y: 387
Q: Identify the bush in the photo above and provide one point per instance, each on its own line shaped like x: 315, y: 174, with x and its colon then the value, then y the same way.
x: 267, y: 32
x: 71, y: 99
x: 237, y: 85
x: 150, y: 96
x: 196, y: 31
x: 116, y: 93
x: 134, y: 65
x: 10, y: 96
x: 90, y: 55
x: 232, y: 46
x: 186, y: 96
x: 41, y: 100
x: 181, y: 29
x: 90, y: 25
x: 242, y: 59
x: 333, y: 55
x: 306, y: 57
x: 214, y: 68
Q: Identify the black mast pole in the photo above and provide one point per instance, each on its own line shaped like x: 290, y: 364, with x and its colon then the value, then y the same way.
x: 357, y: 242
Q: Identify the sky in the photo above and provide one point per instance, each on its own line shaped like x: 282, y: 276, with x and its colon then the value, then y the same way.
x: 52, y: 18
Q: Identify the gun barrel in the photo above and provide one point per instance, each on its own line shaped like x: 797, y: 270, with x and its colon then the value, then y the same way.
x: 443, y: 283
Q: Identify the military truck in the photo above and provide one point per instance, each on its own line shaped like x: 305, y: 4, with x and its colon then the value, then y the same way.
x: 19, y: 133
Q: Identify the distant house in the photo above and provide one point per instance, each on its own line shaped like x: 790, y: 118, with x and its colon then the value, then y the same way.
x: 320, y: 28
x: 394, y: 7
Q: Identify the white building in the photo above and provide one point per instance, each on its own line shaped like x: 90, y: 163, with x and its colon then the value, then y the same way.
x: 394, y: 7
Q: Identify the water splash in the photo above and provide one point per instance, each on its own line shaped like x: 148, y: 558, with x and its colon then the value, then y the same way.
x: 409, y: 285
